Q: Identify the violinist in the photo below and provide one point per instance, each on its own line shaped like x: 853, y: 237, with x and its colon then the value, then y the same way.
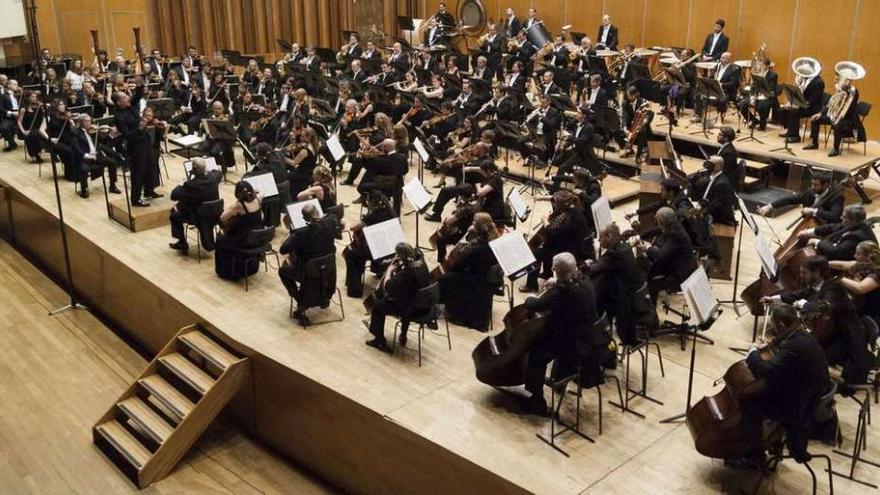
x: 269, y: 161
x: 58, y: 126
x: 368, y: 139
x: 155, y: 130
x: 796, y: 375
x: 416, y: 116
x: 488, y: 185
x: 396, y: 293
x: 137, y: 145
x: 464, y: 287
x: 389, y: 164
x: 95, y: 99
x: 673, y: 196
x: 570, y: 304
x: 357, y: 253
x: 838, y: 241
x: 671, y: 256
x: 820, y: 201
x: 266, y: 128
x: 32, y: 125
x: 301, y: 158
x: 251, y: 76
x: 241, y: 112
x: 830, y: 312
x: 87, y: 157
x: 321, y: 188
x: 456, y: 225
x: 341, y: 98
x: 220, y: 149
x: 861, y: 277
x: 265, y: 85
x: 565, y: 230
x: 10, y: 102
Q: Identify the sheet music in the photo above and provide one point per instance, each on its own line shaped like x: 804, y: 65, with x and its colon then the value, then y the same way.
x: 747, y: 215
x: 335, y: 147
x: 518, y: 204
x: 512, y: 252
x: 187, y: 141
x: 418, y: 196
x: 264, y: 184
x: 699, y: 295
x: 294, y: 211
x: 210, y: 165
x: 765, y: 253
x: 383, y: 237
x: 601, y: 213
x: 420, y: 149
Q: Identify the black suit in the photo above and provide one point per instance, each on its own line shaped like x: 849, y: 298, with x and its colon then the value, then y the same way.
x: 397, y: 297
x: 720, y: 46
x: 559, y: 56
x: 611, y: 41
x: 138, y: 149
x: 512, y: 26
x: 814, y: 93
x: 828, y: 211
x: 850, y: 124
x: 314, y: 240
x: 8, y: 117
x: 672, y: 260
x: 731, y: 164
x: 189, y: 196
x: 763, y: 107
x: 718, y: 200
x: 617, y: 276
x: 839, y: 242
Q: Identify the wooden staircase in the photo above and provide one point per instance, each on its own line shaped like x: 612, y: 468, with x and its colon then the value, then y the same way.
x: 160, y: 416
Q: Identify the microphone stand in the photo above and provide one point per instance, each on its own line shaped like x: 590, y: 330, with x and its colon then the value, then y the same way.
x: 74, y: 303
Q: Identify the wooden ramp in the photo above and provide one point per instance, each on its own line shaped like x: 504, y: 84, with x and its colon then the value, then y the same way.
x: 140, y: 219
x: 159, y: 417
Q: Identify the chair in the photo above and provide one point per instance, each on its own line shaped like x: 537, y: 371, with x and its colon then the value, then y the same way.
x: 427, y: 298
x: 823, y: 410
x: 257, y: 246
x: 207, y: 218
x: 272, y: 205
x: 319, y: 286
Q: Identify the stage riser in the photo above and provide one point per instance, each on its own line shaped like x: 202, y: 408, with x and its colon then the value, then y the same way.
x: 345, y: 443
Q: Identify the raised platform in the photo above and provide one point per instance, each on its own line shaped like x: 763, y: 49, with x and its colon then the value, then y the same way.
x: 370, y: 422
x: 140, y: 219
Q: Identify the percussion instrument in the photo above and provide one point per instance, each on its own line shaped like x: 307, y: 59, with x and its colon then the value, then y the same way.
x: 706, y: 69
x: 745, y: 71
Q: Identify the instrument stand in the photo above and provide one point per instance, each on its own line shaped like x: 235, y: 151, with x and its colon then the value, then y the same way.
x: 795, y: 97
x: 74, y: 303
x: 706, y: 89
x: 629, y: 393
x: 785, y: 148
x: 750, y: 138
x: 531, y: 184
x: 419, y: 214
x: 694, y: 331
x: 860, y: 441
x: 681, y: 330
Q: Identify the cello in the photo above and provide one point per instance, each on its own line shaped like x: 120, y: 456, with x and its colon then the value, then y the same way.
x: 501, y: 360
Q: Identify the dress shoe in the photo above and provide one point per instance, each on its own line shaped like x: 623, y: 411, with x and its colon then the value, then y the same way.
x: 537, y: 407
x: 347, y: 182
x: 84, y: 193
x: 811, y: 146
x: 11, y: 146
x: 179, y: 246
x: 377, y: 343
x: 834, y: 153
x: 304, y: 320
x: 153, y: 195
x: 139, y: 204
x: 762, y: 128
x: 114, y: 189
x: 746, y: 462
x: 525, y: 289
x: 38, y: 159
x: 433, y: 217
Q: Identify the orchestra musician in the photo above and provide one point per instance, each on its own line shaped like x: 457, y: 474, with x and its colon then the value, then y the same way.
x: 838, y: 241
x: 237, y: 221
x: 570, y: 304
x: 716, y: 42
x: 220, y: 149
x: 301, y: 157
x: 849, y: 124
x: 558, y: 57
x: 357, y: 253
x: 32, y: 125
x: 396, y: 293
x: 488, y: 186
x: 202, y: 186
x: 717, y: 199
x: 491, y: 49
x: 321, y: 188
x: 820, y: 201
x: 795, y: 376
x: 728, y: 76
x: 861, y: 277
x: 435, y: 35
x: 727, y: 151
x: 444, y: 17
x: 578, y: 146
x: 512, y: 24
x: 813, y: 88
x: 86, y: 157
x: 138, y: 148
x: 399, y: 60
x: 637, y: 118
x: 531, y: 20
x: 454, y: 226
x: 10, y: 102
x: 155, y: 130
x: 608, y: 34
x: 388, y: 163
x: 762, y: 106
x: 314, y: 240
x: 546, y: 121
x: 671, y: 255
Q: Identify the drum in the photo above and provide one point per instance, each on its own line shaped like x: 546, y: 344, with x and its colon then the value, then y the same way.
x: 537, y: 34
x: 650, y: 57
x: 706, y: 69
x: 745, y: 71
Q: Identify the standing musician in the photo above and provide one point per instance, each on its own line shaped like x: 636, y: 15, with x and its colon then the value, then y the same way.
x: 137, y: 145
x: 565, y: 231
x: 671, y: 256
x: 838, y: 241
x: 795, y: 376
x: 608, y: 34
x: 357, y: 253
x: 820, y: 201
x: 155, y: 129
x: 813, y: 87
x: 314, y: 240
x: 199, y: 188
x: 512, y: 24
x: 444, y: 18
x: 10, y: 102
x: 396, y: 293
x: 435, y: 35
x: 716, y: 42
x: 570, y: 301
x: 761, y: 106
x: 848, y: 124
x: 531, y: 20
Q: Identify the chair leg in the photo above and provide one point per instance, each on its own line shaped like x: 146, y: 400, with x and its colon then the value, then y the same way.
x: 659, y: 356
x: 599, y: 391
x: 421, y: 337
x: 448, y: 336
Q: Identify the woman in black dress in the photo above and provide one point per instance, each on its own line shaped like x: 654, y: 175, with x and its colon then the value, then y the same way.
x: 301, y: 165
x: 237, y: 221
x: 31, y: 119
x: 321, y: 188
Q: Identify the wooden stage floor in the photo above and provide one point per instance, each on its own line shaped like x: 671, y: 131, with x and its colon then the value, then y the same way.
x: 441, y: 403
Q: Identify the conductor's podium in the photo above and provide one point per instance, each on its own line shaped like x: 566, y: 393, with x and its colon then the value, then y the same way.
x: 140, y: 219
x: 724, y: 235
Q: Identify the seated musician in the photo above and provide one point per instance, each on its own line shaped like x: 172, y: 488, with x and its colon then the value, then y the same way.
x: 838, y: 241
x: 237, y: 221
x: 717, y: 199
x: 827, y: 307
x: 849, y: 124
x: 10, y: 102
x: 399, y: 60
x: 199, y: 188
x: 578, y: 148
x: 390, y: 163
x: 727, y: 151
x: 491, y: 50
x: 671, y: 255
x: 634, y: 106
x: 617, y: 277
x: 728, y: 76
x: 795, y: 376
x: 565, y: 229
x: 301, y: 160
x: 558, y: 57
x: 312, y: 241
x: 594, y: 96
x: 31, y: 124
x: 516, y: 80
x: 482, y: 71
x: 570, y: 304
x: 820, y: 201
x: 396, y: 293
x: 464, y: 287
x: 487, y: 182
x: 321, y: 189
x: 547, y: 86
x: 86, y: 157
x: 357, y: 253
x: 437, y: 90
x: 545, y: 120
x: 761, y: 106
x: 861, y: 277
x: 813, y: 88
x: 368, y: 140
x: 456, y: 225
x: 507, y: 108
x: 442, y: 125
x: 191, y: 113
x: 220, y: 149
x: 467, y: 102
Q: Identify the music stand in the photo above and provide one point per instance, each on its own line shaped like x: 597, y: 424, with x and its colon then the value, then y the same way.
x: 405, y: 23
x: 706, y: 90
x: 761, y: 88
x: 163, y: 108
x: 221, y: 130
x: 796, y: 100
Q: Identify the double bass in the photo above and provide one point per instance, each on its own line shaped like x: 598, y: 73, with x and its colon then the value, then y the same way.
x: 501, y: 360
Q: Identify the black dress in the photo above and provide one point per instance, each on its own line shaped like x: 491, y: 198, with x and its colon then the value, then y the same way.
x: 236, y: 238
x: 31, y: 121
x: 465, y: 290
x: 300, y: 177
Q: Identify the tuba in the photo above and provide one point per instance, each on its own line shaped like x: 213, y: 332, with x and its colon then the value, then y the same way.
x: 806, y: 68
x: 759, y: 68
x: 843, y: 98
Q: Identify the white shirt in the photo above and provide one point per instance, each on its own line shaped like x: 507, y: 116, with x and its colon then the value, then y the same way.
x: 185, y: 73
x: 284, y: 102
x: 14, y: 101
x: 91, y: 143
x: 577, y: 132
x: 605, y: 30
x: 592, y: 98
x: 715, y: 38
x: 720, y: 72
x: 512, y: 79
x: 711, y: 183
x: 76, y: 80
x: 540, y: 127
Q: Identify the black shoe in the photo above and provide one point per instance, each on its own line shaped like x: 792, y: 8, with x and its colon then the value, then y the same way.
x: 756, y: 462
x: 811, y: 146
x: 525, y: 289
x: 762, y: 128
x: 179, y: 246
x: 537, y: 407
x: 834, y: 153
x: 304, y: 320
x: 11, y: 146
x: 377, y: 343
x: 139, y: 204
x: 347, y: 182
x: 84, y: 193
x: 153, y: 195
x: 355, y: 294
x: 433, y: 217
x: 114, y: 189
x: 38, y: 159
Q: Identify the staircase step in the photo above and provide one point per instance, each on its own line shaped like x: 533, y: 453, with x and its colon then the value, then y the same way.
x: 169, y: 396
x: 150, y: 421
x: 125, y: 443
x: 188, y: 372
x: 210, y: 350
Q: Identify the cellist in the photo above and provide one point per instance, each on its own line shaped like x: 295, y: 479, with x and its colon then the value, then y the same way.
x: 796, y: 375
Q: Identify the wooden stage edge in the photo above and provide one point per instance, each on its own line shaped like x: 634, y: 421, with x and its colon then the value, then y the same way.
x: 352, y: 446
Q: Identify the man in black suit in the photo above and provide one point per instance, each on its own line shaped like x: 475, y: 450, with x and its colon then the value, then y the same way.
x: 399, y: 60
x: 492, y: 49
x: 580, y: 150
x: 671, y: 256
x: 716, y: 42
x: 595, y: 96
x: 546, y: 121
x: 849, y: 124
x: 444, y: 17
x: 718, y: 198
x: 201, y: 187
x: 483, y: 71
x: 608, y: 36
x: 634, y: 145
x: 838, y: 241
x: 314, y: 240
x: 512, y: 24
x: 467, y: 102
x: 371, y: 53
x: 558, y: 57
x: 818, y: 201
x: 565, y: 229
x: 796, y: 376
x: 434, y: 35
x: 516, y: 80
x: 813, y: 88
x: 391, y: 164
x: 728, y: 76
x: 762, y: 105
x: 570, y: 304
x: 617, y: 276
x: 507, y: 109
x: 10, y: 101
x: 396, y: 293
x: 531, y: 20
x: 137, y: 144
x: 355, y: 73
x: 85, y: 157
x: 726, y: 136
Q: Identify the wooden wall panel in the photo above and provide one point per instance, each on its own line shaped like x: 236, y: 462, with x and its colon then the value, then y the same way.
x: 585, y: 16
x: 553, y: 14
x: 666, y: 22
x: 770, y: 23
x: 629, y: 17
x: 824, y: 33
x: 703, y: 14
x: 867, y: 52
x: 73, y: 32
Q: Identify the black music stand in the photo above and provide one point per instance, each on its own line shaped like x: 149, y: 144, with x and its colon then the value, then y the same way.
x: 74, y: 303
x: 742, y: 224
x: 221, y: 130
x: 163, y: 108
x: 706, y: 90
x: 405, y: 23
x: 760, y: 88
x: 796, y: 99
